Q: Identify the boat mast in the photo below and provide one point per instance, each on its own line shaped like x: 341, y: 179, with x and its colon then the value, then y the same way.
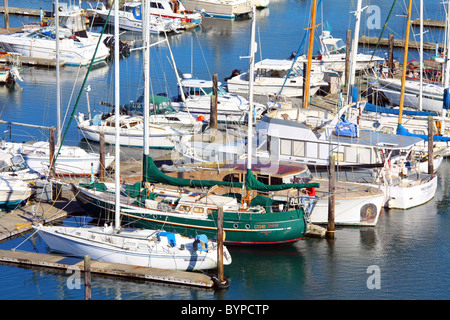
x: 117, y: 114
x: 146, y: 57
x: 58, y: 81
x: 405, y: 59
x: 253, y: 47
x: 310, y: 53
x: 354, y: 52
x: 447, y: 36
x: 421, y: 56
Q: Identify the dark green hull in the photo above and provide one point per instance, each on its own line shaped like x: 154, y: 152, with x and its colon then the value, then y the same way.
x: 241, y: 228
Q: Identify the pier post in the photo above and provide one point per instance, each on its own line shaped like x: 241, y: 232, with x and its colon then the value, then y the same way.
x: 331, y: 199
x: 102, y: 156
x: 391, y: 55
x: 347, y: 57
x: 430, y: 145
x: 87, y: 277
x: 304, y: 104
x: 213, y: 110
x: 220, y: 276
x: 6, y: 14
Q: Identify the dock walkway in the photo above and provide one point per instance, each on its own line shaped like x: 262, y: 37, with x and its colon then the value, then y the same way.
x: 105, y: 268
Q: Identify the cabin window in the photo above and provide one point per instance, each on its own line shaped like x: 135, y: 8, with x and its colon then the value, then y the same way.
x: 185, y: 208
x: 285, y: 147
x: 351, y: 154
x: 199, y: 210
x: 365, y: 155
x: 298, y: 148
x: 209, y: 210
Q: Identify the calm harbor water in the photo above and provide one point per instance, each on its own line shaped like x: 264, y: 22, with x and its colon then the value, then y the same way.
x: 408, y: 249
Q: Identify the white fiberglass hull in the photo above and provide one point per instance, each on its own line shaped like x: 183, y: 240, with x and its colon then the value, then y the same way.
x: 71, y: 160
x: 12, y: 192
x: 71, y: 52
x: 409, y: 195
x: 127, y: 248
x: 359, y: 211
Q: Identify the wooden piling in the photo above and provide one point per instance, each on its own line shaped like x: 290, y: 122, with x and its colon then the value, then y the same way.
x: 331, y: 199
x: 391, y: 55
x: 305, y: 66
x: 347, y: 57
x: 6, y: 14
x: 213, y: 111
x: 430, y: 145
x: 87, y: 277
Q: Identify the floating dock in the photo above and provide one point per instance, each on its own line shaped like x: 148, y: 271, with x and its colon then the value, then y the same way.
x: 22, y: 258
x: 20, y: 221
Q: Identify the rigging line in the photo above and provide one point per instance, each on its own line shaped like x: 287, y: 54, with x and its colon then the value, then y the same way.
x: 382, y: 30
x: 203, y: 55
x: 82, y: 87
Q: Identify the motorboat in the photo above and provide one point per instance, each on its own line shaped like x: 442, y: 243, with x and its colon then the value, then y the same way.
x: 130, y: 18
x: 276, y: 77
x: 76, y: 47
x: 231, y: 108
x: 229, y: 9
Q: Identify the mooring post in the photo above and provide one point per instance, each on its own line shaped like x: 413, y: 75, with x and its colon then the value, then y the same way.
x: 430, y: 145
x: 220, y: 276
x: 331, y: 199
x: 102, y: 156
x: 87, y: 277
x: 391, y: 55
x: 347, y: 57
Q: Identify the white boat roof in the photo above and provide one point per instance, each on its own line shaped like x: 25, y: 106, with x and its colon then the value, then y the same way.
x: 274, y: 64
x: 283, y: 128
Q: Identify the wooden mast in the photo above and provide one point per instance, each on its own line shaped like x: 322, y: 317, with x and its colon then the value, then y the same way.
x: 310, y: 52
x: 405, y: 59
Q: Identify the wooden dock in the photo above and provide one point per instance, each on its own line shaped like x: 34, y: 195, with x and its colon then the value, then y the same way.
x: 429, y: 23
x: 384, y: 42
x: 20, y: 221
x: 51, y: 261
x: 25, y: 11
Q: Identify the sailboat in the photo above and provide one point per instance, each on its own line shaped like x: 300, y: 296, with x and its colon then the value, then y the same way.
x: 192, y: 208
x: 70, y: 160
x: 305, y: 136
x: 149, y: 248
x: 417, y: 94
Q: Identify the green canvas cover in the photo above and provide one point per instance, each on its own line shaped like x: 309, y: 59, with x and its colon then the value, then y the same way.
x: 99, y: 186
x: 152, y: 174
x: 252, y: 183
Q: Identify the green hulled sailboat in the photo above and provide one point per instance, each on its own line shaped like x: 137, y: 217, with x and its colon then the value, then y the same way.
x: 258, y: 221
x: 247, y: 220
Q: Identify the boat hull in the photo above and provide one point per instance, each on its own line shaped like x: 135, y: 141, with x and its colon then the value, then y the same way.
x: 240, y: 228
x: 71, y: 241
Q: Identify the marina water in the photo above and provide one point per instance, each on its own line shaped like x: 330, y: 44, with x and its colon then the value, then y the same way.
x: 404, y: 257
